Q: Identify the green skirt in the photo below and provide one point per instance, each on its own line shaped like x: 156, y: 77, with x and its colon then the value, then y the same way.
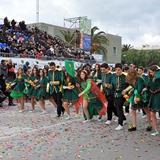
x: 94, y: 106
x: 70, y: 96
x: 16, y: 95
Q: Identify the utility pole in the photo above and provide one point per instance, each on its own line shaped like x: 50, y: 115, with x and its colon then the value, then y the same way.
x: 37, y: 11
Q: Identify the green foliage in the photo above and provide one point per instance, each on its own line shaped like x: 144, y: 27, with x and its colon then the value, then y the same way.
x: 22, y: 61
x: 141, y: 58
x: 37, y: 62
x: 98, y: 40
x: 69, y: 36
x: 126, y: 47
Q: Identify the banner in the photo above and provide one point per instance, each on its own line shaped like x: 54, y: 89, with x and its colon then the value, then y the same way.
x: 69, y: 65
x: 85, y: 26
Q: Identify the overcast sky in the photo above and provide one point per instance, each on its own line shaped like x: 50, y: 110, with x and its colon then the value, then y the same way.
x: 137, y: 22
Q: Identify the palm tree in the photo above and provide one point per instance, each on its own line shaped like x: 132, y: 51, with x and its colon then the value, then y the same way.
x: 126, y: 47
x: 98, y: 40
x: 69, y: 36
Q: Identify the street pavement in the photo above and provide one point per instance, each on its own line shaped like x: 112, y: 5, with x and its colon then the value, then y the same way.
x: 32, y: 136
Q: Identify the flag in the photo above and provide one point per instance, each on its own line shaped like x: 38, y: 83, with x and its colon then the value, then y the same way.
x: 69, y: 65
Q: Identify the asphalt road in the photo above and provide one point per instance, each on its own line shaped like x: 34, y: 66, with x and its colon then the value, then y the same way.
x: 32, y: 136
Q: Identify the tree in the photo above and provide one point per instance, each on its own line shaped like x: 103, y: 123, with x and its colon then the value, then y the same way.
x: 69, y: 36
x: 98, y: 40
x: 126, y: 47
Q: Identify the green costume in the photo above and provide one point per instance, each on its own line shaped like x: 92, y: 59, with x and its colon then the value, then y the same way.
x: 95, y: 77
x: 57, y: 77
x: 32, y: 91
x: 19, y: 87
x: 137, y: 94
x: 119, y: 84
x: 70, y: 95
x: 41, y: 90
x: 94, y: 105
x: 107, y: 78
x: 154, y: 92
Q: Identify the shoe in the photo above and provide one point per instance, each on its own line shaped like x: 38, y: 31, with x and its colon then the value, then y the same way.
x: 76, y: 115
x: 58, y: 116
x: 116, y: 119
x: 119, y: 128
x: 21, y: 110
x: 43, y: 112
x: 124, y: 122
x: 86, y: 121
x: 11, y: 104
x: 144, y: 116
x: 99, y: 118
x: 158, y: 117
x: 126, y: 113
x: 131, y: 128
x: 32, y: 110
x: 108, y: 122
x: 155, y: 133
x: 67, y: 117
x: 138, y: 111
x: 149, y: 128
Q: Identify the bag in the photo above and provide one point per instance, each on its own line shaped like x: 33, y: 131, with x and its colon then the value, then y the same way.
x: 2, y: 96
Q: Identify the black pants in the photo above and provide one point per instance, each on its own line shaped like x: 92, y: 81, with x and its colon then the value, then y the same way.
x: 127, y: 108
x: 111, y: 108
x: 119, y: 107
x: 10, y: 99
x: 58, y: 99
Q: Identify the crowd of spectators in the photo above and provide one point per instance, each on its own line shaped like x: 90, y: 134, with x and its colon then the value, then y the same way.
x: 31, y: 42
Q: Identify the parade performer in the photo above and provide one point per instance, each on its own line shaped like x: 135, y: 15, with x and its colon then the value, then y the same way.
x: 55, y: 78
x: 119, y: 84
x: 96, y: 75
x: 108, y: 91
x: 70, y: 92
x: 17, y: 91
x: 32, y: 91
x: 154, y: 93
x: 91, y: 105
x: 138, y: 98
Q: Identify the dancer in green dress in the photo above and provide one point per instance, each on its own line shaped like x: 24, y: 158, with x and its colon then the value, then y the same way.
x: 70, y: 92
x: 154, y: 95
x: 17, y: 91
x: 96, y: 75
x: 42, y: 92
x: 33, y: 80
x: 138, y: 99
x: 91, y: 105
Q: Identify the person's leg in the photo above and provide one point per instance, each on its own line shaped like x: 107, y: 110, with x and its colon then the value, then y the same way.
x: 154, y: 120
x: 119, y: 107
x: 60, y: 108
x: 85, y: 109
x: 22, y: 102
x: 53, y: 102
x: 133, y: 117
x: 42, y: 103
x: 146, y: 110
x: 32, y: 102
x: 65, y: 105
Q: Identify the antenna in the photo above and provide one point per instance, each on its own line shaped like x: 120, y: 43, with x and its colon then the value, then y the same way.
x: 37, y: 11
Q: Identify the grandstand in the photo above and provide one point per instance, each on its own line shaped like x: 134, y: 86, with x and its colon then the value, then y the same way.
x: 31, y: 42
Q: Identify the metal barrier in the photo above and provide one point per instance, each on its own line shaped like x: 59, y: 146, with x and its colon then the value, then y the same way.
x: 10, y: 55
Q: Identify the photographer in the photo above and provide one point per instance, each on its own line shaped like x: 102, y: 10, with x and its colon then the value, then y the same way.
x: 4, y: 68
x: 11, y: 66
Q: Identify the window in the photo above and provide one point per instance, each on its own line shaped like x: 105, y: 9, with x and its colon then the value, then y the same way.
x: 114, y: 51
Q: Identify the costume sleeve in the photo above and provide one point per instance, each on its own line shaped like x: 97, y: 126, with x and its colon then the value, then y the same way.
x: 140, y: 85
x: 88, y: 87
